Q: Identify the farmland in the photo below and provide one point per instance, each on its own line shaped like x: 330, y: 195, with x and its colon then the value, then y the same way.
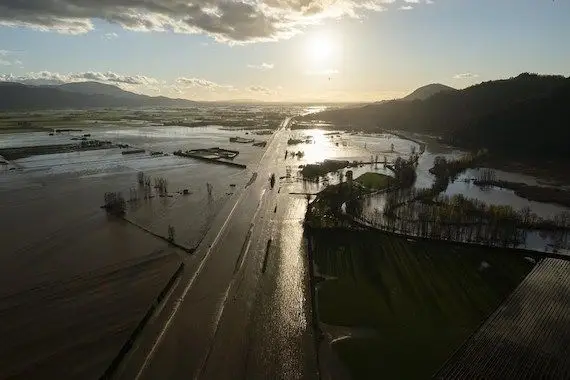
x: 399, y: 307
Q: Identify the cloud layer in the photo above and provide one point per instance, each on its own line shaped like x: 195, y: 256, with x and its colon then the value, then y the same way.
x: 234, y: 21
x: 47, y: 78
x: 262, y: 66
x: 7, y: 58
x: 141, y: 83
x: 202, y: 83
x: 260, y: 90
x: 465, y: 76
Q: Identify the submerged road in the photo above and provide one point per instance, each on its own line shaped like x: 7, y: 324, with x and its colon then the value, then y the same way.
x: 242, y: 309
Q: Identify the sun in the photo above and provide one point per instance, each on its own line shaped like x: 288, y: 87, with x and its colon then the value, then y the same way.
x: 320, y: 48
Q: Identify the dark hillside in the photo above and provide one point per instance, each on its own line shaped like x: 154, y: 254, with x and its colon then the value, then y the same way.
x: 496, y: 114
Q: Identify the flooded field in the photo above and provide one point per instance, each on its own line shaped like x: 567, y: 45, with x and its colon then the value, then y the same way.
x: 339, y: 145
x: 75, y: 327
x: 64, y: 257
x: 323, y: 145
x: 90, y: 273
x: 499, y: 196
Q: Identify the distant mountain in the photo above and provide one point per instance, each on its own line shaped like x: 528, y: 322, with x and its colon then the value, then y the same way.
x: 41, y: 82
x: 96, y: 88
x: 428, y: 91
x: 489, y: 114
x: 78, y: 95
x: 241, y: 101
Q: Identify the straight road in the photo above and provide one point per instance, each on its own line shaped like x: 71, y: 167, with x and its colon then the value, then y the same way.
x: 243, y: 310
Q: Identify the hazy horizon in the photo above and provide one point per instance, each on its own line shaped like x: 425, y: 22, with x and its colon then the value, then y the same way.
x: 282, y: 51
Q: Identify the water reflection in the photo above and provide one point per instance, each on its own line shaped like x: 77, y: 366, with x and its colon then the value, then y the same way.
x: 291, y: 282
x: 313, y: 109
x: 347, y: 146
x: 499, y: 196
x: 292, y: 269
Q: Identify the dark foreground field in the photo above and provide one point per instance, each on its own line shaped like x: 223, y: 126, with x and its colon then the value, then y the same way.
x: 397, y: 308
x: 74, y: 328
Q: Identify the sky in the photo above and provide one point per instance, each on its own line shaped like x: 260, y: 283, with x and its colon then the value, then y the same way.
x: 281, y: 50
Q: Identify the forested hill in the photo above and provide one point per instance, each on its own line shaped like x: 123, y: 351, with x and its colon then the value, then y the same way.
x: 428, y: 91
x: 502, y: 115
x: 535, y: 127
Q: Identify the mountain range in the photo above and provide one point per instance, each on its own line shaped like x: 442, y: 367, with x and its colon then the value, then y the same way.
x: 15, y: 96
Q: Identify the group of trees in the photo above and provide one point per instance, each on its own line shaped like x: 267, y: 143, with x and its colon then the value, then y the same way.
x: 115, y: 203
x: 487, y: 176
x: 450, y: 169
x: 161, y: 185
x: 144, y: 181
x: 405, y: 171
x: 325, y: 210
x: 312, y: 171
x: 460, y: 219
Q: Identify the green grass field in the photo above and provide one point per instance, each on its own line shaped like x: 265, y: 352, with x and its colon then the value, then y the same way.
x: 375, y: 181
x: 422, y: 299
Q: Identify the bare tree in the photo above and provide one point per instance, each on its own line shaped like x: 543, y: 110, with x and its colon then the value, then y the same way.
x: 115, y: 203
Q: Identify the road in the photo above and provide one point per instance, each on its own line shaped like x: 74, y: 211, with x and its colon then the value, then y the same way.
x: 242, y: 309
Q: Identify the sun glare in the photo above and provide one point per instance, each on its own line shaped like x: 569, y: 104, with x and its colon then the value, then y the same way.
x: 320, y: 48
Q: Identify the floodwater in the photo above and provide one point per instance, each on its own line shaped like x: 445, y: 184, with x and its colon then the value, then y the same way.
x: 499, y: 196
x: 86, y: 273
x: 492, y: 195
x: 338, y: 145
x: 171, y: 138
x: 424, y: 179
x: 16, y: 140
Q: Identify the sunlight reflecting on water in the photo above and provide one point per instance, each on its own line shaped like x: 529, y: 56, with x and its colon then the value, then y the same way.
x: 320, y: 149
x: 314, y: 109
x: 292, y: 271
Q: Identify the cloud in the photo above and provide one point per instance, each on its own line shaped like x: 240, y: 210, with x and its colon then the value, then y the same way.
x: 235, y: 21
x: 112, y: 77
x: 412, y: 1
x: 406, y: 8
x: 465, y: 76
x: 326, y: 72
x: 110, y: 36
x: 202, y: 83
x: 262, y: 66
x: 51, y: 78
x: 6, y: 58
x: 260, y: 90
x: 36, y: 78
